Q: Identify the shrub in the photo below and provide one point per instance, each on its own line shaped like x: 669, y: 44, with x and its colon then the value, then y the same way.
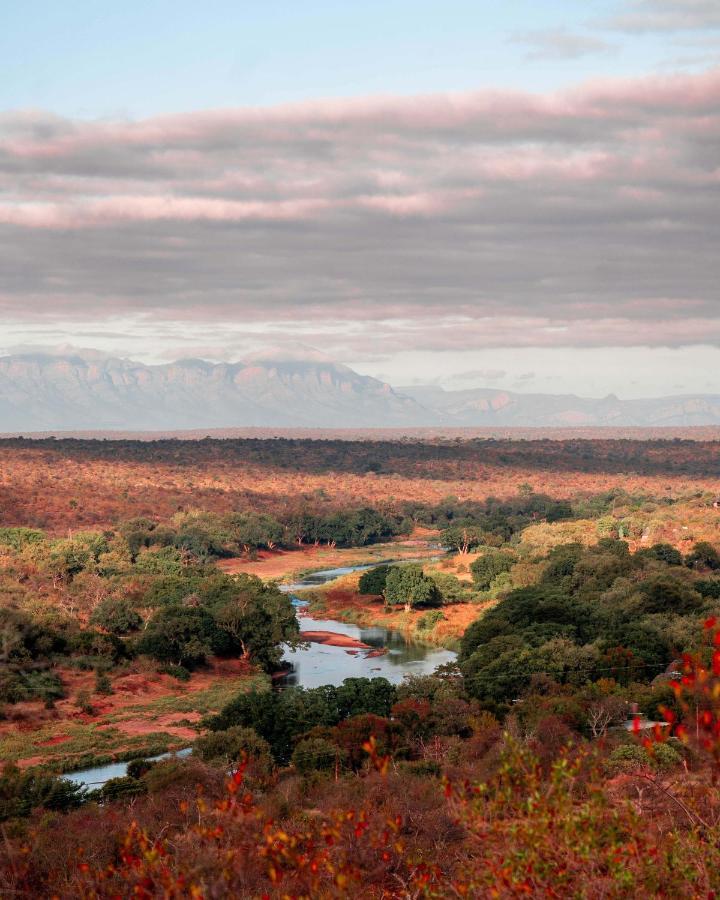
x: 22, y: 792
x: 703, y: 556
x: 630, y: 757
x: 102, y: 683
x: 373, y: 581
x: 314, y: 754
x: 430, y: 619
x: 234, y: 745
x: 116, y: 616
x: 488, y: 566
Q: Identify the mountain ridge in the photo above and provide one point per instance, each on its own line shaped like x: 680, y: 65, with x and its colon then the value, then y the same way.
x: 42, y: 391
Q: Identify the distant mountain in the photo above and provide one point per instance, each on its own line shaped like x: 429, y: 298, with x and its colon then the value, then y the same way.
x: 40, y: 392
x: 89, y: 391
x: 489, y: 407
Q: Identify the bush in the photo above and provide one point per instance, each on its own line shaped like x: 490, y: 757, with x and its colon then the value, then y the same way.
x: 18, y: 686
x: 488, y: 566
x: 120, y: 788
x: 136, y: 768
x: 22, y: 792
x: 630, y: 757
x: 314, y: 754
x: 452, y: 590
x: 234, y: 745
x: 84, y: 703
x: 373, y: 581
x: 703, y: 556
x: 116, y: 616
x: 709, y: 588
x: 179, y: 672
x: 430, y: 619
x: 102, y: 683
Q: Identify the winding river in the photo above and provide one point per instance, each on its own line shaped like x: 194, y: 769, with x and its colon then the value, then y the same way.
x: 324, y: 664
x: 320, y: 664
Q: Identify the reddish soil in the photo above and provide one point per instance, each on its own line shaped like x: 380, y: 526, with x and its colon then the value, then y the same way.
x: 332, y: 639
x: 370, y: 610
x: 134, y: 689
x: 281, y: 563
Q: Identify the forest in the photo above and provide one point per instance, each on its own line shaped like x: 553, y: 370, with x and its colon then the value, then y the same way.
x: 571, y: 748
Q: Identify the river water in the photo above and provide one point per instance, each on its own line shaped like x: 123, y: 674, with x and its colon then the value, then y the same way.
x: 321, y: 664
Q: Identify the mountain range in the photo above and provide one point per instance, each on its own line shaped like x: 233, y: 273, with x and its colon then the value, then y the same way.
x: 42, y: 392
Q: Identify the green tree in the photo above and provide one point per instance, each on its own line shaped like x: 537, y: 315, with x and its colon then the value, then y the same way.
x: 488, y: 566
x: 703, y: 556
x: 373, y: 581
x: 116, y: 616
x: 408, y: 586
x: 179, y: 635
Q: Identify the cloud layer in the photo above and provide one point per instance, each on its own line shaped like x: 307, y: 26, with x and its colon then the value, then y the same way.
x: 585, y: 218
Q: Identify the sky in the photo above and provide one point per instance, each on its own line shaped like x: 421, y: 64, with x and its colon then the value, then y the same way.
x: 520, y: 195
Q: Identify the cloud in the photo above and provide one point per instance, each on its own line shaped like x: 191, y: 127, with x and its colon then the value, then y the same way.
x: 666, y: 15
x: 558, y: 43
x: 588, y: 217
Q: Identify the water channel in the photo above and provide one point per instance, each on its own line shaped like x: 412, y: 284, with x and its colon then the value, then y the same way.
x: 320, y: 664
x: 324, y: 664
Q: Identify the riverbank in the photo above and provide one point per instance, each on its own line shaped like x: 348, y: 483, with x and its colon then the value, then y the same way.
x: 148, y: 713
x: 291, y: 565
x: 339, y: 599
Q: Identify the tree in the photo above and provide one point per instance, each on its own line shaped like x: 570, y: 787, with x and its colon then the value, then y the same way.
x: 373, y: 581
x: 604, y: 712
x: 703, y: 556
x: 252, y: 619
x: 666, y: 553
x: 463, y: 538
x: 179, y: 635
x: 116, y: 616
x: 409, y: 586
x: 488, y: 566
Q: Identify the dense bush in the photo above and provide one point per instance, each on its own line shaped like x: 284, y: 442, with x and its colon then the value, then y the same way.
x: 22, y: 792
x: 408, y: 586
x: 597, y: 612
x: 280, y: 717
x: 373, y: 581
x: 488, y: 566
x: 116, y: 616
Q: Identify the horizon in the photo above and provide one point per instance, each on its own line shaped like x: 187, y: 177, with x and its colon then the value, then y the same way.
x: 306, y: 355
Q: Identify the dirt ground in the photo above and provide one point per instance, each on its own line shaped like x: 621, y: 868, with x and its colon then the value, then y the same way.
x: 340, y: 600
x: 282, y: 564
x: 144, y: 708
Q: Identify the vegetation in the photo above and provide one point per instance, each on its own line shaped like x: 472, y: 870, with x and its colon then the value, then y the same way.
x: 572, y: 750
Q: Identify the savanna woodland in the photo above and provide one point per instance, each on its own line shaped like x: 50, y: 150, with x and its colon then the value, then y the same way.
x: 155, y: 597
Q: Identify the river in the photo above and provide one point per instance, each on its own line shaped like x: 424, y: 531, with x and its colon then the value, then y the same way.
x: 323, y: 664
x: 320, y: 664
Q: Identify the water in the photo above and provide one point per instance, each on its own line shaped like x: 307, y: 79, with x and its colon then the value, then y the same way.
x: 321, y: 664
x: 97, y: 776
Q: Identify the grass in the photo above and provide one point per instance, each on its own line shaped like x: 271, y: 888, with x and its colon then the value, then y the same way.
x: 88, y: 744
x: 104, y: 740
x: 211, y: 699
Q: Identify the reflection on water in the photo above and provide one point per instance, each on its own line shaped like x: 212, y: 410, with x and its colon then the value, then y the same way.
x: 97, y: 776
x: 321, y: 664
